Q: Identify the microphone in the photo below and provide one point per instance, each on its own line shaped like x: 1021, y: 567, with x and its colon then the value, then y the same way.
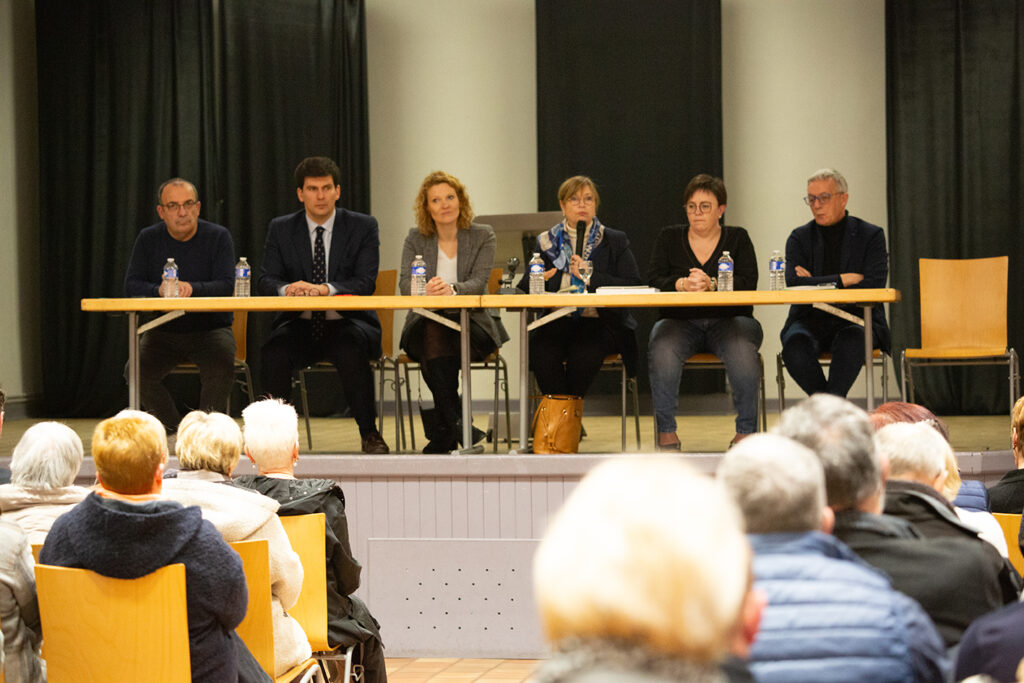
x: 581, y: 237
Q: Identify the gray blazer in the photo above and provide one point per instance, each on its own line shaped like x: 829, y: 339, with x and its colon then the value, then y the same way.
x: 475, y: 260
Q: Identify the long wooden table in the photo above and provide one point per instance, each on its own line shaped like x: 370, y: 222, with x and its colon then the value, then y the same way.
x: 523, y: 303
x: 175, y: 308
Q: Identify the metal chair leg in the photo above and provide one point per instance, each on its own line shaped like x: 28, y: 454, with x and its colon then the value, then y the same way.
x: 305, y: 408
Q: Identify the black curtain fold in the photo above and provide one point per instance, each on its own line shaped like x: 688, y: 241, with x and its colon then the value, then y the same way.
x: 954, y: 71
x: 229, y: 94
x: 630, y: 95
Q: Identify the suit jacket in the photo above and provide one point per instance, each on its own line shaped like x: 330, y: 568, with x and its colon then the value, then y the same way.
x: 475, y: 260
x: 351, y: 266
x: 863, y: 252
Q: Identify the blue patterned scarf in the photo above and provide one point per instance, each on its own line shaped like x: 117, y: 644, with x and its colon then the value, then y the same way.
x: 558, y: 247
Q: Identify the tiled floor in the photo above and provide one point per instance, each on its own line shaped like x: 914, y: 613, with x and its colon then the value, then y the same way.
x: 426, y: 669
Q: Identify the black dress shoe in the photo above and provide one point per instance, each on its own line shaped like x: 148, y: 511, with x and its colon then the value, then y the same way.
x: 374, y: 444
x: 440, y: 447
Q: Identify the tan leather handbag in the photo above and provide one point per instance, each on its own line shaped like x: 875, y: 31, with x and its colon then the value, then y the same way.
x: 556, y: 424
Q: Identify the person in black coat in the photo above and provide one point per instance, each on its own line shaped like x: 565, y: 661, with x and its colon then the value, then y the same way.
x: 566, y: 354
x: 272, y: 444
x: 833, y: 249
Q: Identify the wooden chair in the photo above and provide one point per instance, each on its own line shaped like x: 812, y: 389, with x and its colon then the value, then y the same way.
x: 878, y: 360
x: 36, y: 547
x: 386, y: 282
x: 1010, y: 524
x: 100, y: 629
x: 963, y: 318
x: 243, y: 378
x: 307, y: 536
x: 257, y: 629
x: 493, y: 361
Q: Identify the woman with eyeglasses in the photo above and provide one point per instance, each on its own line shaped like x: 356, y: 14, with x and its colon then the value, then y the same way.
x: 685, y: 259
x: 566, y: 354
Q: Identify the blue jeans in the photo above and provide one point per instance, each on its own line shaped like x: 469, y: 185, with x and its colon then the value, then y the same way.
x: 734, y: 340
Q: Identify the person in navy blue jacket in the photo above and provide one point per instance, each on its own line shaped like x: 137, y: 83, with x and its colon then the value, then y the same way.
x: 205, y: 256
x: 566, y: 354
x: 322, y: 250
x: 842, y: 250
x: 830, y: 616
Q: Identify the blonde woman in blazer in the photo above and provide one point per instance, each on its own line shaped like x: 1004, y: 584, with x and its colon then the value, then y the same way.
x: 459, y: 255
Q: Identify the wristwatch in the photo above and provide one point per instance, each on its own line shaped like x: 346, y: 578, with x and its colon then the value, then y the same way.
x: 455, y: 288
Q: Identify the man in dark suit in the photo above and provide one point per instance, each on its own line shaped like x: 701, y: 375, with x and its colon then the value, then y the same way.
x: 324, y: 251
x: 840, y: 249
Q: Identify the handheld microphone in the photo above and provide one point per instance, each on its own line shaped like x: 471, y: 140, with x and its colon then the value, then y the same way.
x: 581, y: 237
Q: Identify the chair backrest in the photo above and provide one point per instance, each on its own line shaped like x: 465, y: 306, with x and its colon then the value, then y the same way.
x: 1010, y: 524
x: 307, y: 536
x: 101, y: 629
x: 36, y: 548
x: 257, y: 629
x: 494, y: 282
x: 239, y: 327
x: 963, y: 302
x: 387, y: 280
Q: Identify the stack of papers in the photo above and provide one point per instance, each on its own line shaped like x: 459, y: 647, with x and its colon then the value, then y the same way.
x: 626, y: 289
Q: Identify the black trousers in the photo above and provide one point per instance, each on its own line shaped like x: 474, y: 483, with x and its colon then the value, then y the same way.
x: 291, y: 347
x: 566, y: 355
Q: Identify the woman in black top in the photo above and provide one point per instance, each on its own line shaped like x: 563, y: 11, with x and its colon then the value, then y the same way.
x: 685, y: 259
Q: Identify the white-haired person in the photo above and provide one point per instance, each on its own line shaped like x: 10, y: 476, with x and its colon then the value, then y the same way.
x: 920, y: 465
x: 208, y: 449
x: 272, y: 443
x: 830, y: 616
x: 44, y: 465
x: 20, y: 631
x: 644, y: 575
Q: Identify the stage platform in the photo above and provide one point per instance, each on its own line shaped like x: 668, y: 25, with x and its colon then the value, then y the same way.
x: 446, y: 542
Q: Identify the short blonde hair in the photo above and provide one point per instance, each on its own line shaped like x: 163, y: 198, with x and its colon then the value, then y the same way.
x: 571, y: 186
x: 1017, y: 424
x: 424, y: 221
x: 646, y: 551
x: 208, y: 441
x: 127, y: 450
x: 271, y: 432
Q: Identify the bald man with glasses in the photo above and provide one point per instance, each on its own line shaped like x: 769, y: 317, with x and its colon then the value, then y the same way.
x: 837, y: 249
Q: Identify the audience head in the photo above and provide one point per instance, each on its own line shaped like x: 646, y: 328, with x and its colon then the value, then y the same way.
x: 840, y: 434
x: 1016, y: 430
x: 778, y: 483
x: 900, y: 411
x: 648, y: 552
x: 130, y: 450
x: 916, y: 452
x: 421, y: 207
x: 208, y: 441
x: 48, y: 456
x: 827, y: 196
x: 271, y: 434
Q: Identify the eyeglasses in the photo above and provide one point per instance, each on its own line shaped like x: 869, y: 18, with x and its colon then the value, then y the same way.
x: 173, y: 207
x: 703, y: 207
x: 576, y: 201
x: 822, y: 198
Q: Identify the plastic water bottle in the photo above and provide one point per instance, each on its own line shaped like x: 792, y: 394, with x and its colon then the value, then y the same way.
x: 725, y: 267
x: 536, y: 274
x: 419, y: 276
x: 169, y: 286
x: 776, y: 271
x: 243, y: 277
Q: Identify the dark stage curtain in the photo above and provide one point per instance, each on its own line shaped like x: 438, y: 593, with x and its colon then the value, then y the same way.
x: 955, y: 72
x: 229, y: 94
x: 630, y: 95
